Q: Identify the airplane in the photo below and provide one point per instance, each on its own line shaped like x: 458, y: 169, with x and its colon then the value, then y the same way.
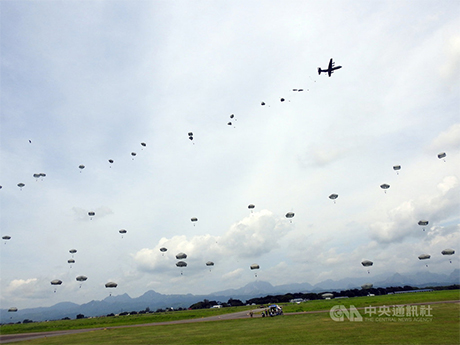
x: 330, y: 69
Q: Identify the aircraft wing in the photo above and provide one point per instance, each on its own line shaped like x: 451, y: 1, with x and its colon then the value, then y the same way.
x: 330, y: 64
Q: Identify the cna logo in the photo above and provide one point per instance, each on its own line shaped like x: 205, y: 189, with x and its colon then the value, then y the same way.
x: 339, y: 312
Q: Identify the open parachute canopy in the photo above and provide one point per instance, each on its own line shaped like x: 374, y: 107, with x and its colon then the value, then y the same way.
x: 56, y: 282
x: 111, y: 285
x: 81, y: 278
x: 424, y: 256
x: 254, y: 267
x: 448, y: 252
x: 72, y: 251
x: 12, y: 309
x: 163, y: 249
x: 210, y: 263
x: 181, y: 256
x: 181, y: 264
x: 367, y: 263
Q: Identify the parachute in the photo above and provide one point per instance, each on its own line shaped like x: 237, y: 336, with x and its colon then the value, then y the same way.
x: 194, y: 219
x: 91, y: 214
x: 133, y: 154
x: 290, y: 215
x: 122, y: 231
x: 20, y: 185
x: 210, y: 264
x: 12, y: 309
x: 181, y: 264
x: 181, y: 256
x: 262, y: 103
x: 397, y: 168
x: 333, y: 197
x: 144, y: 144
x: 111, y: 285
x: 254, y: 267
x: 424, y: 257
x: 190, y: 136
x: 442, y: 155
x: 72, y: 251
x: 81, y: 167
x: 282, y: 99
x: 163, y: 250
x: 367, y: 263
x: 110, y: 161
x: 71, y: 261
x: 385, y: 187
x: 423, y: 223
x: 448, y: 252
x: 251, y: 207
x: 81, y: 279
x: 56, y: 282
x: 6, y: 238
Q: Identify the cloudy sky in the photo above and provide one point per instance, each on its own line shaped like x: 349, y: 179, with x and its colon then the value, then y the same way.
x: 83, y: 82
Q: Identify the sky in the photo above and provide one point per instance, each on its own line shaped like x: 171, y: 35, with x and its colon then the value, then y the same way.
x: 83, y: 82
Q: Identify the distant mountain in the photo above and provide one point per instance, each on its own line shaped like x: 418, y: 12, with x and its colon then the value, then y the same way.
x: 154, y: 300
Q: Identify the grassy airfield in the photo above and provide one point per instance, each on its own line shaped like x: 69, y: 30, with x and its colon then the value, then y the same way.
x: 304, y: 328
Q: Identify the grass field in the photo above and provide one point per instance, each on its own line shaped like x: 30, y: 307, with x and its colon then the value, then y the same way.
x: 441, y: 328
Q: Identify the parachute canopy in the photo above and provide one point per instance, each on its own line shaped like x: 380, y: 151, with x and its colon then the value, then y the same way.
x: 133, y: 154
x: 163, y: 249
x: 210, y: 263
x: 254, y: 267
x: 290, y: 215
x: 367, y: 263
x: 333, y: 196
x: 384, y: 186
x: 181, y: 256
x: 111, y: 285
x: 396, y: 167
x: 144, y: 144
x: 194, y: 219
x: 20, y: 185
x: 110, y: 161
x: 91, y: 213
x: 12, y: 309
x: 122, y: 231
x: 72, y: 251
x: 442, y: 155
x: 423, y: 223
x: 81, y: 166
x: 424, y: 256
x: 56, y: 282
x: 81, y: 278
x: 6, y: 237
x: 448, y: 252
x: 251, y: 206
x: 71, y: 261
x: 181, y: 264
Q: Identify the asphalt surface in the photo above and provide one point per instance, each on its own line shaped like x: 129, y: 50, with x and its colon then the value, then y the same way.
x: 9, y: 338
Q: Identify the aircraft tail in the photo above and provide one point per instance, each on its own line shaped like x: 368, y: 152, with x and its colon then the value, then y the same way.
x: 319, y: 70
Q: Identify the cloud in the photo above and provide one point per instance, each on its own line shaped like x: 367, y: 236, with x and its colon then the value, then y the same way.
x: 251, y: 237
x: 447, y: 140
x: 403, y: 219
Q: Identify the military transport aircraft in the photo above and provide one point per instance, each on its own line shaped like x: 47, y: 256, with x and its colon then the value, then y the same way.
x: 330, y: 69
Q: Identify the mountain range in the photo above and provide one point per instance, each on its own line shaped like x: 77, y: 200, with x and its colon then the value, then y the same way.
x: 154, y: 300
